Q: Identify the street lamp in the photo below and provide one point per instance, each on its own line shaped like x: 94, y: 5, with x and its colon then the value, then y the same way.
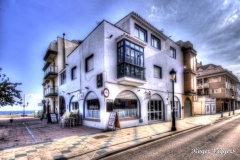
x: 24, y: 105
x: 172, y: 77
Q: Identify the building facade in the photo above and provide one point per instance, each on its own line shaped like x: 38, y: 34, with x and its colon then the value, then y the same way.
x: 54, y: 61
x: 217, y: 83
x: 125, y: 68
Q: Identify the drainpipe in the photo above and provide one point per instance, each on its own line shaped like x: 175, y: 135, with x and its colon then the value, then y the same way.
x: 63, y: 51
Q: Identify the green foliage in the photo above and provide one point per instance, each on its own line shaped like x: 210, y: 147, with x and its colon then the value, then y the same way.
x: 9, y: 95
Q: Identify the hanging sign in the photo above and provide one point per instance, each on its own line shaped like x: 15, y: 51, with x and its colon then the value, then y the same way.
x: 99, y: 80
x: 113, y: 121
x: 80, y: 96
x: 148, y: 95
x: 106, y: 92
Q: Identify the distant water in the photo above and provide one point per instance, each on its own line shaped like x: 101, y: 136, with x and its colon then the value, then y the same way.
x: 17, y: 112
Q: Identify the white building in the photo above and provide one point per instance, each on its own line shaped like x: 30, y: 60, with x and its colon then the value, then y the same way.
x: 118, y: 68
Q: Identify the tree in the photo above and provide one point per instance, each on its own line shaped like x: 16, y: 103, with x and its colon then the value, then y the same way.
x: 9, y: 95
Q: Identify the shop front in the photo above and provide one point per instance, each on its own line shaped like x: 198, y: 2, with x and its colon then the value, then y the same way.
x: 127, y: 105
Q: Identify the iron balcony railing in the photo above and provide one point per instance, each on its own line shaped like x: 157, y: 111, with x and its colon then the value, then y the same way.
x: 204, y: 85
x: 51, y: 70
x: 51, y: 91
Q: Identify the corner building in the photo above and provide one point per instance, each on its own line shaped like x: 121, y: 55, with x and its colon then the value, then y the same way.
x: 125, y: 68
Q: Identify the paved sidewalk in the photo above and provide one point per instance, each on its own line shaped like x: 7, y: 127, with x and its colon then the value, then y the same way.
x: 35, y: 139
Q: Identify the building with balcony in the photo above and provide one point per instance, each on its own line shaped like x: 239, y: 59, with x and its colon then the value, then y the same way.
x: 217, y: 83
x: 53, y: 59
x: 124, y: 67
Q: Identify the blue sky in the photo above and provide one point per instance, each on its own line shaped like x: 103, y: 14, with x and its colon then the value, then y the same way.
x: 28, y: 26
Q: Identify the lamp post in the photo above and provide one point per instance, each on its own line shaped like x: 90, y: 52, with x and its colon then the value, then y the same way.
x: 24, y: 105
x: 172, y: 77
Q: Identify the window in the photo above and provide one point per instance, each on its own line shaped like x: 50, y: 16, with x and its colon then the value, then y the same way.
x: 63, y: 77
x: 130, y: 60
x: 126, y: 108
x: 75, y: 106
x: 156, y: 42
x: 89, y: 63
x: 93, y: 108
x: 157, y: 72
x: 172, y: 52
x: 140, y: 33
x: 74, y: 73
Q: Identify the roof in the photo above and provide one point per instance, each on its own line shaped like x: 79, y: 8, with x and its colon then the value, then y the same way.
x: 204, y: 67
x: 146, y: 24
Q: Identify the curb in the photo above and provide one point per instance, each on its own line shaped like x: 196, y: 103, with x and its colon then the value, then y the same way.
x: 145, y: 142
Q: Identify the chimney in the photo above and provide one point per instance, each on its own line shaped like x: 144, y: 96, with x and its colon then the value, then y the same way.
x: 64, y: 51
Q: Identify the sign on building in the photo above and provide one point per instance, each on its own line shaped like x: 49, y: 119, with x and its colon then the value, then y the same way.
x: 99, y: 80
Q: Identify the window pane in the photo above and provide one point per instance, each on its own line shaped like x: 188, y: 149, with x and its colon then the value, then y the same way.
x: 127, y: 54
x: 156, y: 72
x: 155, y: 43
x: 132, y: 56
x: 90, y: 64
x: 132, y: 71
x: 127, y: 43
x: 142, y: 35
x: 141, y: 59
x: 136, y: 47
x: 136, y: 32
x: 127, y: 69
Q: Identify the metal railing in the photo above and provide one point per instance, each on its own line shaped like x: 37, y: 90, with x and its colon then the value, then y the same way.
x: 49, y: 91
x: 51, y: 69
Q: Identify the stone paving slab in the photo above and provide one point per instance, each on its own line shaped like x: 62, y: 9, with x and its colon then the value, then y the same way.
x: 82, y: 142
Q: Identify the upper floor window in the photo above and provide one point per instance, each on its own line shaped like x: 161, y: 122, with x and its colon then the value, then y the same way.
x: 140, y: 33
x: 63, y: 78
x: 157, y: 72
x: 172, y: 52
x: 74, y: 73
x: 155, y: 42
x: 89, y: 63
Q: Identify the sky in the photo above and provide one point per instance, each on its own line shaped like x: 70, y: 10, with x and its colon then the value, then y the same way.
x: 27, y: 27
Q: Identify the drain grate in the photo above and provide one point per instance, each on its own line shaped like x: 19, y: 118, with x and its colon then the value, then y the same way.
x: 100, y: 136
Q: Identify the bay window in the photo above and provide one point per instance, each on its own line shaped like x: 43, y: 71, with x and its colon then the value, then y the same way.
x: 130, y: 60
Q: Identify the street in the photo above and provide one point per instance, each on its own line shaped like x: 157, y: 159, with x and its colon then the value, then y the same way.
x: 216, y: 141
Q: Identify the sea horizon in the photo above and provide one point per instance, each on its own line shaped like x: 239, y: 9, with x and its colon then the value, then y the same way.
x: 18, y: 112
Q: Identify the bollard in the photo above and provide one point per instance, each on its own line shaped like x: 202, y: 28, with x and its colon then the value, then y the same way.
x: 221, y: 114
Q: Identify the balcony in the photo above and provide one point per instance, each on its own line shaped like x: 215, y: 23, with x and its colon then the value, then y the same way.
x: 130, y: 74
x: 51, y: 92
x: 204, y: 85
x: 51, y: 72
x: 51, y: 52
x: 203, y: 94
